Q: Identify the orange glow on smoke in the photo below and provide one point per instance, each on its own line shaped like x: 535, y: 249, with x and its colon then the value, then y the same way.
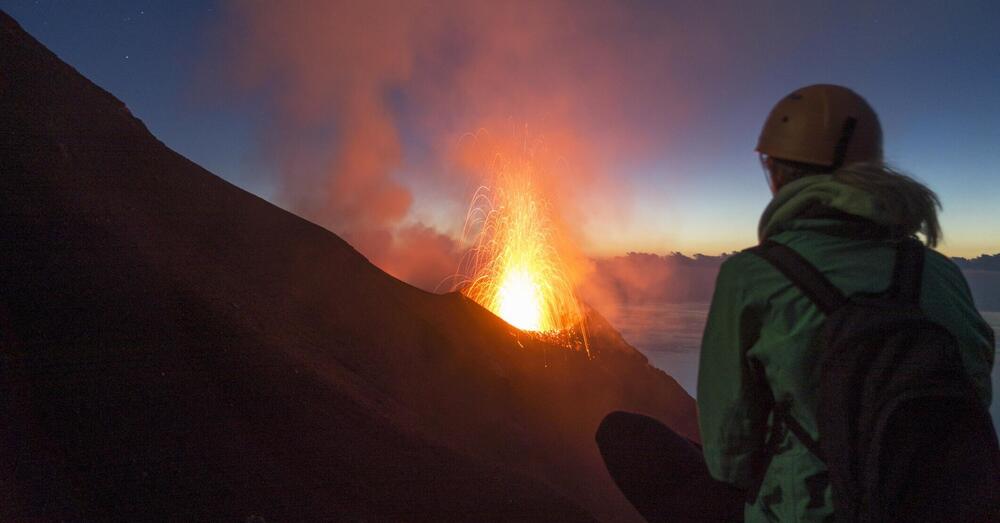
x: 513, y: 267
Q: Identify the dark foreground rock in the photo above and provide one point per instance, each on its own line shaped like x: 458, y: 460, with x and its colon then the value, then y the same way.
x: 174, y: 347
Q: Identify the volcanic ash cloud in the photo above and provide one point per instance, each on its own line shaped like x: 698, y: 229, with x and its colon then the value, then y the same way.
x: 371, y: 100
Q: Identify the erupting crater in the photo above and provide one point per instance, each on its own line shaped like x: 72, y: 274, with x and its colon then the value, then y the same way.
x: 513, y: 267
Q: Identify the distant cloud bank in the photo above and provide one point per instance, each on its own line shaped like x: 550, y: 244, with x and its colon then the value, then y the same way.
x: 983, y: 262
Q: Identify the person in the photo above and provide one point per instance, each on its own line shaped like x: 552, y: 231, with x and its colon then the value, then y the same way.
x: 840, y: 207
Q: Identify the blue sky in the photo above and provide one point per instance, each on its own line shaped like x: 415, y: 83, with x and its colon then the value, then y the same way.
x: 931, y: 70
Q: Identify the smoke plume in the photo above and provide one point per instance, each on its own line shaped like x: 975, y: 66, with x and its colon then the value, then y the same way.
x: 381, y: 112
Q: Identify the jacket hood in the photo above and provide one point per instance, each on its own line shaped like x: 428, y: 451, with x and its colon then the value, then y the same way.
x: 809, y: 192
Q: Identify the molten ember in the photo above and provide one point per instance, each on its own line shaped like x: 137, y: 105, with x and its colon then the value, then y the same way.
x: 513, y: 267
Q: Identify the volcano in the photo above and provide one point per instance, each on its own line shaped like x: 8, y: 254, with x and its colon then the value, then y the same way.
x: 173, y: 347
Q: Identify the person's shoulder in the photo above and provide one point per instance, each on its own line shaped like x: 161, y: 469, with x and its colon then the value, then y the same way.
x: 935, y: 257
x: 941, y: 271
x: 738, y: 260
x: 937, y: 263
x: 744, y: 268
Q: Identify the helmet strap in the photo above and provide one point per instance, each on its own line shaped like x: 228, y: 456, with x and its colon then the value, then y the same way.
x: 840, y: 150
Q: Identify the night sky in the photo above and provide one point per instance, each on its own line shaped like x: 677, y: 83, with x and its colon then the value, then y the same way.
x: 931, y: 70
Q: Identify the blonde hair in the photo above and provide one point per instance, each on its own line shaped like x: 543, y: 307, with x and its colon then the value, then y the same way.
x: 911, y: 206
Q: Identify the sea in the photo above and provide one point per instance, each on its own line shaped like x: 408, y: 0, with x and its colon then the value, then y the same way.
x: 669, y: 334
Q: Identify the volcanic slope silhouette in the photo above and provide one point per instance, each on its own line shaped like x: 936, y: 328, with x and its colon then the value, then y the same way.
x: 172, y: 346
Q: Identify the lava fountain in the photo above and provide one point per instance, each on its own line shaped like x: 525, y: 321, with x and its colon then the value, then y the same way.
x: 513, y: 267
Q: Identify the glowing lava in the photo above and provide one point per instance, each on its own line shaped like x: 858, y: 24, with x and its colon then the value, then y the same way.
x: 520, y: 303
x: 513, y: 267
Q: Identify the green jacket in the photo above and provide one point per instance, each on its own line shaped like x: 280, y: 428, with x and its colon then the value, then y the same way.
x: 757, y: 315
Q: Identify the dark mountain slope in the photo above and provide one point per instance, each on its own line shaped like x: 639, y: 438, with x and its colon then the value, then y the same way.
x: 174, y: 347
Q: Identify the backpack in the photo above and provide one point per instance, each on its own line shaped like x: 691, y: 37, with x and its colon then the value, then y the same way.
x: 902, y: 431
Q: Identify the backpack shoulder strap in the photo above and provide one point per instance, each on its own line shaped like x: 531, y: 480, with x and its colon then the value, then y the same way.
x: 803, y: 274
x: 783, y: 415
x: 907, y: 275
x: 828, y: 298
